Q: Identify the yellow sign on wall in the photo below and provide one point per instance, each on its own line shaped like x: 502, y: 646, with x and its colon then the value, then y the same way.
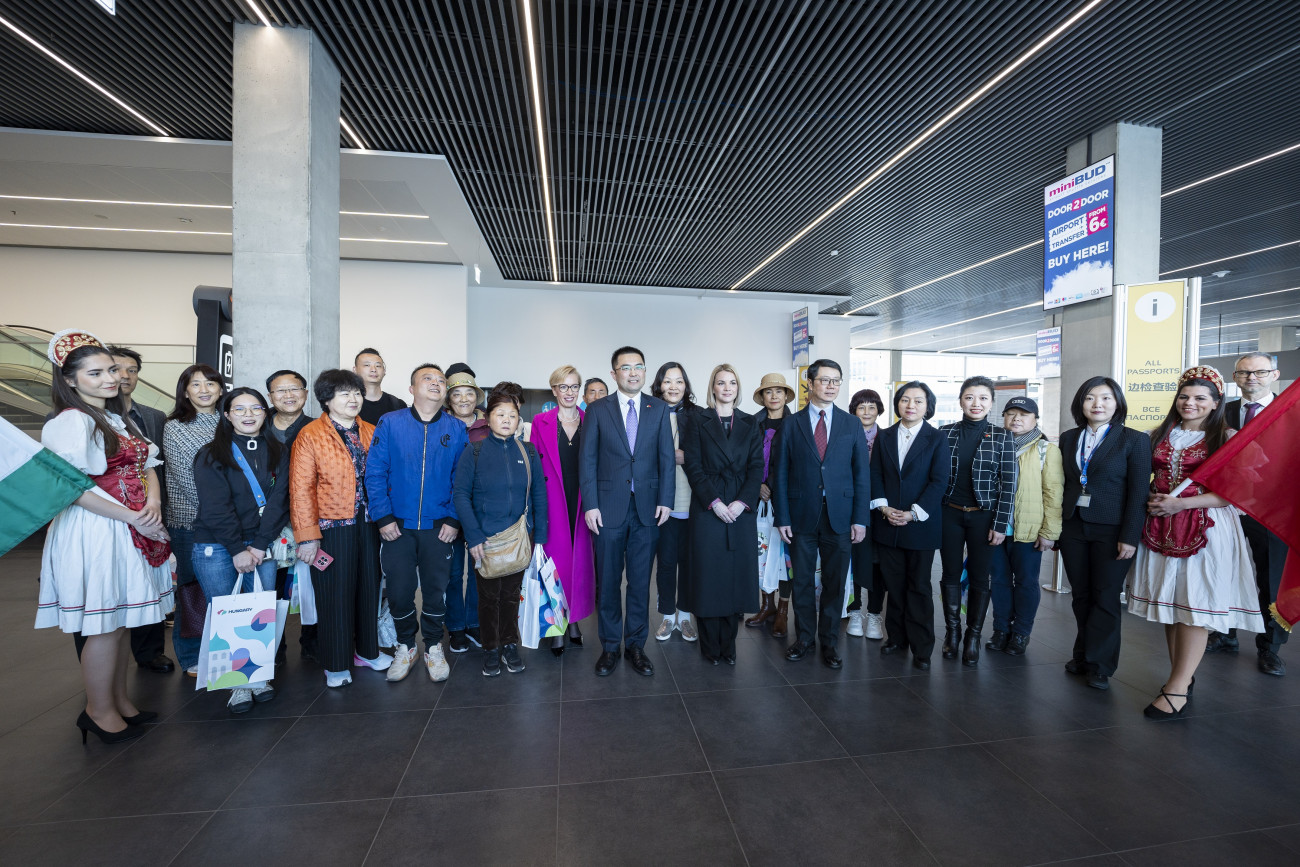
x: 801, y: 374
x: 1153, y: 350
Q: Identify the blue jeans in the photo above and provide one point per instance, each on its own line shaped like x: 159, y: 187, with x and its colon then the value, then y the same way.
x: 462, y: 595
x: 1016, y: 593
x: 216, y: 572
x: 187, y: 649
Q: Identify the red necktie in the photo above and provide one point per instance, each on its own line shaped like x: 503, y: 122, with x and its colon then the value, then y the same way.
x: 1251, y: 409
x: 819, y: 435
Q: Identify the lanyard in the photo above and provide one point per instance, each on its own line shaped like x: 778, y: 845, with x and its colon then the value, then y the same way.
x: 248, y: 474
x: 1083, y: 461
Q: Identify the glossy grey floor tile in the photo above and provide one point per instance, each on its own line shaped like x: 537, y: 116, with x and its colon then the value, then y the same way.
x: 493, y: 747
x: 880, y: 716
x: 515, y: 827
x: 328, y: 834
x: 615, y: 738
x: 137, y: 841
x: 1255, y: 847
x: 742, y: 728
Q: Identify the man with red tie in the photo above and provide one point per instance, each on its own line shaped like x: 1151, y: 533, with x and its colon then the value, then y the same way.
x: 1255, y: 374
x: 822, y: 502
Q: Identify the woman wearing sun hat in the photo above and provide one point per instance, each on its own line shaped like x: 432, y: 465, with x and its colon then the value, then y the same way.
x: 774, y: 395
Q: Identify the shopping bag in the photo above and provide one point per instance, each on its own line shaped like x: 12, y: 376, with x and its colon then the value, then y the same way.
x: 386, y: 629
x: 304, y: 592
x: 240, y: 635
x: 848, y: 587
x: 557, y: 623
x: 771, y: 550
x: 532, y: 597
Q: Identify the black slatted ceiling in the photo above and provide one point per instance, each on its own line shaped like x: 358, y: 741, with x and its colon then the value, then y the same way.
x: 688, y: 139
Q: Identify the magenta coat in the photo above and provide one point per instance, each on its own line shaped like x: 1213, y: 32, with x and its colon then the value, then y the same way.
x: 574, y: 560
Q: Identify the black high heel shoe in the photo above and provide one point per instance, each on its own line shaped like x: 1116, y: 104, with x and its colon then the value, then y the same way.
x: 1153, y: 712
x: 144, y: 716
x: 575, y: 635
x: 557, y: 645
x: 88, y: 725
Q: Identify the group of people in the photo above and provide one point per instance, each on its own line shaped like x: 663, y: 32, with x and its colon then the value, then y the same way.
x: 455, y: 494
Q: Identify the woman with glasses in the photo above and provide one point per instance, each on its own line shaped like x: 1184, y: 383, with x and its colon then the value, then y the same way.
x: 327, y: 506
x: 189, y: 428
x: 242, y: 480
x: 556, y: 435
x: 672, y: 552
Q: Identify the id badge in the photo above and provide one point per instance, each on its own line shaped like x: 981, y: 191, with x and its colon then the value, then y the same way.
x: 1084, y: 500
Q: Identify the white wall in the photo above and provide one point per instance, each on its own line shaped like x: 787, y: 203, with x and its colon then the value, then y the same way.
x: 524, y: 334
x: 412, y: 312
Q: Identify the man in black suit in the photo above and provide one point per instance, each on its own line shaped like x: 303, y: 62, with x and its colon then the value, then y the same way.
x: 627, y: 482
x: 1255, y: 374
x: 822, y: 503
x: 147, y: 642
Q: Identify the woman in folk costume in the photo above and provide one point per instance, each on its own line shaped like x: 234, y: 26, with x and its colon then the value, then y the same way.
x: 104, y: 568
x: 1193, y: 570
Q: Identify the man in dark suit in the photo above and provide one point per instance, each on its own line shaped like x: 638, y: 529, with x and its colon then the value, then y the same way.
x: 1255, y: 374
x: 147, y: 642
x: 627, y: 480
x: 822, y: 503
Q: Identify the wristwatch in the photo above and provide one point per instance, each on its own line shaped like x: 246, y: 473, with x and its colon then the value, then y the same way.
x: 915, y: 517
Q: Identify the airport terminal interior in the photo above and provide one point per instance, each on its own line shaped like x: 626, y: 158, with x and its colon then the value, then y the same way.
x: 1033, y: 191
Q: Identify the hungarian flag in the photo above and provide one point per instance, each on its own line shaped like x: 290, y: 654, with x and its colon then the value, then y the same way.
x: 1257, y: 471
x: 35, y: 485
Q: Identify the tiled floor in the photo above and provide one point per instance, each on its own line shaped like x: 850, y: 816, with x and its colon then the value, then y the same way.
x: 766, y: 763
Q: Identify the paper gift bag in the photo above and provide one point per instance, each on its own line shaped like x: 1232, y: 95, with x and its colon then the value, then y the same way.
x: 556, y: 622
x: 240, y: 635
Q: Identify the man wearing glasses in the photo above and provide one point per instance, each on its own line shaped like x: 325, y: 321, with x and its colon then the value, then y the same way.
x: 287, y: 390
x: 1255, y: 374
x: 627, y: 480
x: 822, y: 502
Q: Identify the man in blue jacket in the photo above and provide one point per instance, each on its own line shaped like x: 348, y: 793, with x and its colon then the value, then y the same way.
x: 822, y: 502
x: 410, y: 471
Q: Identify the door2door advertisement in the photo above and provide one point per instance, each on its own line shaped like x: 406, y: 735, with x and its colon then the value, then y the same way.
x: 1079, y: 236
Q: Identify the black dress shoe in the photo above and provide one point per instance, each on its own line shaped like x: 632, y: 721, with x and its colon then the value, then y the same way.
x: 1221, y: 642
x: 890, y: 649
x: 1076, y: 666
x: 998, y: 640
x: 144, y: 716
x: 921, y: 662
x: 729, y: 658
x: 1097, y: 681
x: 640, y: 662
x: 606, y: 664
x: 1270, y: 663
x: 557, y: 645
x: 711, y: 660
x: 831, y: 659
x: 159, y: 664
x: 798, y: 651
x: 1016, y: 644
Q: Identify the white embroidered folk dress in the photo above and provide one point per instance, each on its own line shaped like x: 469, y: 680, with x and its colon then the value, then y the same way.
x: 1213, y: 588
x: 93, y: 577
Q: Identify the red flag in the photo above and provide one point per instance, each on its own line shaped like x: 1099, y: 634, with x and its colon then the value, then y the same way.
x: 1258, y: 471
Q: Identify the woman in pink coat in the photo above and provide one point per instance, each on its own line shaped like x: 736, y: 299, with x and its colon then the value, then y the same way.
x: 555, y: 436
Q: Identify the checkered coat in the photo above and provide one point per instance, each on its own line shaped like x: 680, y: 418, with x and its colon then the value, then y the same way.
x: 993, y: 472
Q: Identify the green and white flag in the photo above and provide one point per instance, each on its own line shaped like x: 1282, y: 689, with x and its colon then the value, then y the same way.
x: 35, y: 485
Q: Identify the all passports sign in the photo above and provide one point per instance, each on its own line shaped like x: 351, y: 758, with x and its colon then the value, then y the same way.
x: 1079, y: 239
x: 1154, y: 332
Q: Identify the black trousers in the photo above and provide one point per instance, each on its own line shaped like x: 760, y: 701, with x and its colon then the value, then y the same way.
x: 417, y: 558
x: 1089, y: 553
x: 966, y: 545
x: 347, y: 595
x: 909, y: 617
x: 148, y: 642
x: 672, y: 564
x: 1269, y: 554
x: 718, y: 635
x: 630, y: 546
x: 307, y: 633
x: 498, y: 609
x: 867, y: 580
x: 834, y: 549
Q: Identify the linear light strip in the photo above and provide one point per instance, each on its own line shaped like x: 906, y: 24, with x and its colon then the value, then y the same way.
x: 86, y: 78
x: 541, y: 141
x: 191, y: 205
x: 352, y: 134
x: 934, y: 129
x: 199, y: 232
x: 987, y: 342
x: 257, y: 10
x: 1225, y: 172
x: 962, y: 322
x: 1234, y: 256
x: 1248, y: 297
x: 946, y: 276
x: 1251, y: 322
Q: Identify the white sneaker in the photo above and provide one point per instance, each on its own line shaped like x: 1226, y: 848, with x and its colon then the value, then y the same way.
x: 875, y: 626
x: 687, y: 627
x: 335, y: 679
x: 192, y: 671
x: 379, y: 663
x: 855, y: 624
x: 437, y: 665
x: 666, y: 627
x: 403, y: 659
x: 241, y: 701
x: 263, y: 692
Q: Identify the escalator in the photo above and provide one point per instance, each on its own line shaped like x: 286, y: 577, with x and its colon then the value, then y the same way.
x: 25, y: 375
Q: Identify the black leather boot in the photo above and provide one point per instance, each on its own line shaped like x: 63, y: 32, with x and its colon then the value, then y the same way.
x: 977, y: 606
x: 950, y: 596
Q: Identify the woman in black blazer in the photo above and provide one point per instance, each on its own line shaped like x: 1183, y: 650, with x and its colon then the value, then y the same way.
x: 724, y: 463
x: 1107, y: 474
x: 909, y: 474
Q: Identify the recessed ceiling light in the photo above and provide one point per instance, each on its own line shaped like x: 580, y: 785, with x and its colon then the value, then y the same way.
x: 835, y: 252
x: 86, y: 78
x: 189, y: 205
x: 396, y: 241
x: 194, y: 232
x: 1218, y: 175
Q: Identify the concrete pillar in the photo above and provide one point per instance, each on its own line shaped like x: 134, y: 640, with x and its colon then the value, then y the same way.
x: 1087, y: 328
x: 1281, y: 339
x: 286, y: 204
